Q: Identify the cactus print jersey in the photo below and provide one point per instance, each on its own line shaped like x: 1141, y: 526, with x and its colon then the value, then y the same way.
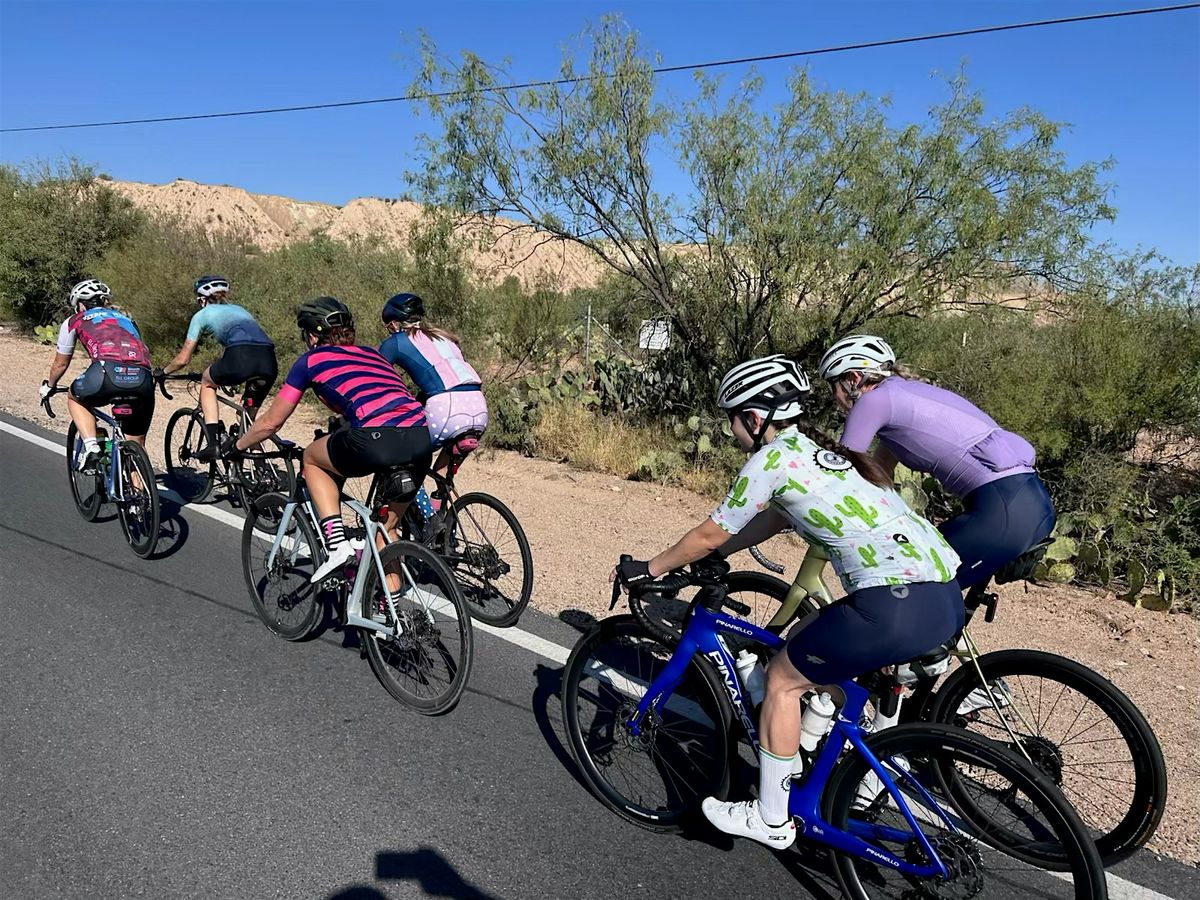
x: 872, y: 536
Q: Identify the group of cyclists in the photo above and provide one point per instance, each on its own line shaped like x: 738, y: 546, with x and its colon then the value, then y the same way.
x: 902, y: 575
x: 388, y: 427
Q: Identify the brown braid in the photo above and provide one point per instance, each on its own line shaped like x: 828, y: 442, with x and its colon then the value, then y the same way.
x: 864, y: 463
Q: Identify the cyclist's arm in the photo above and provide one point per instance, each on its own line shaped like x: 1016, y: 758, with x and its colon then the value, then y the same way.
x: 182, y: 358
x: 271, y: 419
x: 869, y: 413
x: 696, y: 544
x: 766, y: 524
x: 62, y: 353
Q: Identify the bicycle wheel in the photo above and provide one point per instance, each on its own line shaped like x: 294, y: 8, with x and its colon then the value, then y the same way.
x: 663, y: 614
x: 425, y: 666
x: 288, y: 604
x: 185, y: 437
x: 1077, y: 728
x: 1013, y: 834
x: 657, y: 778
x: 138, y: 511
x: 257, y: 477
x: 87, y: 490
x: 489, y: 553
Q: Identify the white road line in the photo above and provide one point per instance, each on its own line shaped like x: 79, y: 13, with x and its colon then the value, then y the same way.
x: 523, y: 639
x: 1118, y: 888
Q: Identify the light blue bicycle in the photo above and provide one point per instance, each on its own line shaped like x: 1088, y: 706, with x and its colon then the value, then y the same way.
x: 916, y: 811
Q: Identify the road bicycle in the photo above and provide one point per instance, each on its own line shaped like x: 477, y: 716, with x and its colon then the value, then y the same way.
x: 1069, y: 721
x: 123, y: 476
x: 480, y: 539
x: 917, y: 810
x: 194, y: 479
x: 403, y: 600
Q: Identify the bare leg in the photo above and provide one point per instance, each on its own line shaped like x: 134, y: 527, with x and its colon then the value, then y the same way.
x: 208, y: 399
x: 317, y: 469
x: 85, y: 421
x: 779, y: 720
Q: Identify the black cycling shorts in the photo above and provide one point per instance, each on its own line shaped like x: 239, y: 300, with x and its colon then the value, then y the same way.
x: 876, y: 627
x: 123, y: 385
x: 1002, y: 519
x: 252, y: 364
x: 356, y: 452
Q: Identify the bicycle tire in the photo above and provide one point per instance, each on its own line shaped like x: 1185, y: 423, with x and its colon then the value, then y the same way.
x: 410, y: 649
x: 293, y: 614
x: 139, y: 511
x: 590, y: 749
x: 662, y: 615
x: 1148, y: 797
x: 281, y: 478
x: 473, y: 556
x: 184, y: 438
x: 86, y: 490
x: 928, y: 749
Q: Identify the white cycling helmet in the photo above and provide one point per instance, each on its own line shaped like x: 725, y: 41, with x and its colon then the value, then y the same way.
x: 857, y: 353
x: 91, y: 292
x: 207, y: 286
x: 772, y: 386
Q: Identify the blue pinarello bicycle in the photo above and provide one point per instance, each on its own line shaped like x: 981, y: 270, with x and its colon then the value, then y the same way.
x: 123, y: 476
x: 913, y: 811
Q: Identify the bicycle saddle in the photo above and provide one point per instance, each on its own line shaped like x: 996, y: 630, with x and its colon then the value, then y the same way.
x: 1022, y: 567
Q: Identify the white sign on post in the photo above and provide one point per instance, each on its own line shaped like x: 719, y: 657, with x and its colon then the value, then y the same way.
x: 655, y: 334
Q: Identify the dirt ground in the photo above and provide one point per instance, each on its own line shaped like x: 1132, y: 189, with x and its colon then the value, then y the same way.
x: 579, y: 522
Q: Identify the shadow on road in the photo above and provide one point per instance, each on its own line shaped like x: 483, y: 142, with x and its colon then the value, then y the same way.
x: 173, y: 529
x: 425, y: 866
x: 547, y: 712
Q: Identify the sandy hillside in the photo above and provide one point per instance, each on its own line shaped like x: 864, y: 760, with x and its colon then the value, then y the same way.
x: 578, y: 523
x: 272, y: 222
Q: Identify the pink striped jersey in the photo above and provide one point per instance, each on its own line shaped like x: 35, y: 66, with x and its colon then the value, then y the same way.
x: 357, y: 383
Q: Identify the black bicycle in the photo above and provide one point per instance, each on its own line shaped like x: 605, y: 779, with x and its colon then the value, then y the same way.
x: 245, y: 478
x: 480, y: 539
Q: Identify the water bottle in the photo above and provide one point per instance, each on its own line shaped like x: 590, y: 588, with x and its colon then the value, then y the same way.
x: 815, y: 722
x: 752, y: 675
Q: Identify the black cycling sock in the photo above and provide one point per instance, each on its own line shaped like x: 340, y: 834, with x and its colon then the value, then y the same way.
x: 333, y: 530
x: 214, y: 433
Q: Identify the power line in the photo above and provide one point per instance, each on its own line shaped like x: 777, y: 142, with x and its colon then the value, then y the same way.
x: 662, y: 70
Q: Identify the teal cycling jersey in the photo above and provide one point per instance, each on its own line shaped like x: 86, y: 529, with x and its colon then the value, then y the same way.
x: 229, y: 324
x: 871, y: 535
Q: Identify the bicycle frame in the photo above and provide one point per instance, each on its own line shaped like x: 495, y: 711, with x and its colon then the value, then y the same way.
x: 702, y: 634
x: 373, y: 529
x: 113, y: 484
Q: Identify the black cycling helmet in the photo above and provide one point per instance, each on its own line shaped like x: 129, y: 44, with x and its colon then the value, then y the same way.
x: 403, y: 308
x: 323, y: 314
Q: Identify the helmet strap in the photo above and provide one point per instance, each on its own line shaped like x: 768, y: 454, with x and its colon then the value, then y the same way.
x: 762, y: 430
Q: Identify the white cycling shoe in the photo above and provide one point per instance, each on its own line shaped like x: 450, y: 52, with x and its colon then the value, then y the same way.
x: 743, y: 820
x: 338, y: 557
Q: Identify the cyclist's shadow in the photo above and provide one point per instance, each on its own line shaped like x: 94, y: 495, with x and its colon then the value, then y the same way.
x: 173, y: 528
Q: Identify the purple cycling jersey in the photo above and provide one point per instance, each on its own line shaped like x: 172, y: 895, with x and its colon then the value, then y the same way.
x: 933, y: 430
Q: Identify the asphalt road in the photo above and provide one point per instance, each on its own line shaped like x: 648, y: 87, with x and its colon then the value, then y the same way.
x: 156, y: 741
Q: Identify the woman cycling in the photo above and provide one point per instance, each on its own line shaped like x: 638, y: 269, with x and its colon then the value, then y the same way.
x: 387, y: 428
x: 446, y: 383
x: 1006, y: 507
x: 896, y: 569
x: 248, y: 355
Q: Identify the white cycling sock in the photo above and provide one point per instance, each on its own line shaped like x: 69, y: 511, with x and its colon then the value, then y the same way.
x: 90, y: 445
x: 774, y: 783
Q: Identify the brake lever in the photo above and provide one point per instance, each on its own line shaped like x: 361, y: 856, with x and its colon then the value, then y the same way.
x: 616, y: 591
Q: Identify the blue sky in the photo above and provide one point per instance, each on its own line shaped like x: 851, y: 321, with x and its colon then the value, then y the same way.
x: 1130, y: 88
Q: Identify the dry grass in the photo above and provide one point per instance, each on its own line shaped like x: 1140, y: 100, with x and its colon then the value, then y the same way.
x: 595, y: 443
